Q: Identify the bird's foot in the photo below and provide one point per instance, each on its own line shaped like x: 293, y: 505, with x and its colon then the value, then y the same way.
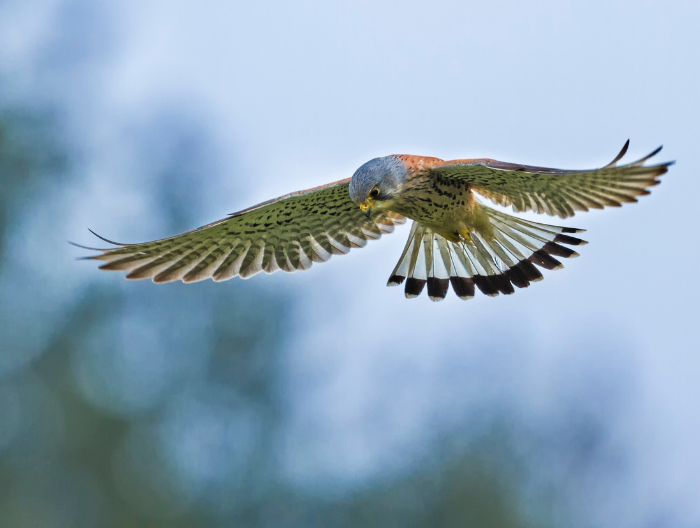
x: 465, y: 235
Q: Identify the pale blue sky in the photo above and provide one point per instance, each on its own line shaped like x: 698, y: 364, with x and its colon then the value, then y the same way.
x: 298, y: 94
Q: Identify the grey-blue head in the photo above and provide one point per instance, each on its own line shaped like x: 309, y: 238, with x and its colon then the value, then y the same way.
x: 377, y: 182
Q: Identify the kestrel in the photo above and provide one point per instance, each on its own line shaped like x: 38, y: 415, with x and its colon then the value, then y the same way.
x: 455, y: 239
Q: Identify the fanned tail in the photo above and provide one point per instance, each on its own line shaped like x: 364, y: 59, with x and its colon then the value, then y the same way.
x: 492, y: 264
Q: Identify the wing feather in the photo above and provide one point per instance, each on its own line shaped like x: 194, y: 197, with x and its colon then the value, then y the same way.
x: 555, y: 191
x: 289, y: 233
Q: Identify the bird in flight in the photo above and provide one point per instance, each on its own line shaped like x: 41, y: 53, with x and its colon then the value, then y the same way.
x: 454, y: 240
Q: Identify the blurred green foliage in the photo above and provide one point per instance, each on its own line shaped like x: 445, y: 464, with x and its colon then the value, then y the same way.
x: 72, y: 453
x: 29, y: 154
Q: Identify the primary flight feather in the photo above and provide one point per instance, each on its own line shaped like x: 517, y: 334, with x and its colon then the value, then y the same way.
x: 454, y: 240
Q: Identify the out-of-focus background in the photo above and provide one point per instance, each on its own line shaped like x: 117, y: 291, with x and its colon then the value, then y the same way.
x: 323, y: 398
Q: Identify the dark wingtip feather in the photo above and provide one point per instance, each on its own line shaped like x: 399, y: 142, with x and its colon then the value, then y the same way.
x: 485, y: 284
x: 619, y: 156
x: 414, y: 287
x: 437, y: 288
x: 542, y: 259
x: 87, y: 247
x: 395, y: 280
x: 503, y: 284
x: 529, y: 270
x: 104, y: 239
x: 553, y: 248
x: 572, y: 230
x: 572, y: 241
x: 648, y: 156
x: 463, y: 288
x: 517, y: 277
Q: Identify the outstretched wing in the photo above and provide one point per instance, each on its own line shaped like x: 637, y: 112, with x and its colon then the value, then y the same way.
x: 287, y: 233
x: 555, y: 191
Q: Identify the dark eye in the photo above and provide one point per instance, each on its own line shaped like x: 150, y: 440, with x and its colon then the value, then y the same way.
x: 374, y: 193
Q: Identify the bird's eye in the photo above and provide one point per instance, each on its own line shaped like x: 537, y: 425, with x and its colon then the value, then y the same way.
x: 374, y: 193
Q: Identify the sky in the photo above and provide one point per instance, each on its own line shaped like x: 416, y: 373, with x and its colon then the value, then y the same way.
x: 294, y: 95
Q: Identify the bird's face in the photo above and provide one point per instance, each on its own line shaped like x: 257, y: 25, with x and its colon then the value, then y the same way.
x: 376, y: 184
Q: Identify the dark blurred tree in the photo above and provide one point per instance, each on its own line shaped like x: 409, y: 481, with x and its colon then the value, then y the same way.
x: 162, y: 406
x: 29, y: 155
x: 72, y: 463
x: 69, y: 436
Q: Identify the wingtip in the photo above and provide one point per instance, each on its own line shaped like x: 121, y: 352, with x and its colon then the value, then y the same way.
x: 86, y: 247
x: 619, y: 156
x: 395, y: 280
x: 437, y: 288
x: 414, y: 287
x: 463, y: 287
x: 648, y: 156
x: 106, y: 240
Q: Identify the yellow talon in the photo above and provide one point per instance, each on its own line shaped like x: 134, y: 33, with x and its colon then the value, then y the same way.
x: 465, y: 234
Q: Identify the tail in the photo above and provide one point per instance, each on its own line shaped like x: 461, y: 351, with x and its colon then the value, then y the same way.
x: 494, y: 264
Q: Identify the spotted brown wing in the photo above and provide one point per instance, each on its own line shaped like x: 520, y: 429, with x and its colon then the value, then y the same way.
x: 555, y: 191
x: 288, y: 233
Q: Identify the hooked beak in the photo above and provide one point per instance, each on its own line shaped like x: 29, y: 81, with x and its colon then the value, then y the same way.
x: 366, y: 207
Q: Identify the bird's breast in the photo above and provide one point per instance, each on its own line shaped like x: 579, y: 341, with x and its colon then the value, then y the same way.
x: 446, y: 207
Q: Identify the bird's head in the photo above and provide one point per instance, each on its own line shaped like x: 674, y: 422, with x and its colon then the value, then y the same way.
x: 377, y: 183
